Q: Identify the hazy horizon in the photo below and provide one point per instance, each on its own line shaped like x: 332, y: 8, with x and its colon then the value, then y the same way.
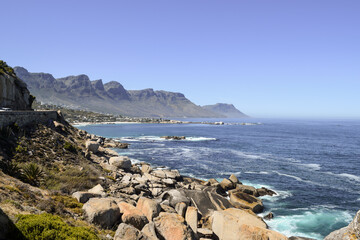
x: 277, y: 59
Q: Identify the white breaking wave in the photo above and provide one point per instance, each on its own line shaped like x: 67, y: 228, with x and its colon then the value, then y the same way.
x: 350, y: 176
x: 312, y: 166
x: 196, y: 139
x: 261, y: 172
x: 296, y: 224
x: 290, y: 176
x: 160, y: 139
x: 346, y: 175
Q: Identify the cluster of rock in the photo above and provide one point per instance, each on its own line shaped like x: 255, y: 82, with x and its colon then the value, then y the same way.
x: 158, y: 203
x: 174, y: 137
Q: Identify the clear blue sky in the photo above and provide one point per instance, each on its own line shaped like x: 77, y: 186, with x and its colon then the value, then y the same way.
x: 298, y: 58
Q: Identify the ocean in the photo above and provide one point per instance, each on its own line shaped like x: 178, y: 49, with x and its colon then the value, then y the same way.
x: 313, y: 165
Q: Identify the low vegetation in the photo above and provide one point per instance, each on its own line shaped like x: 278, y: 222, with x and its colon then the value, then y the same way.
x: 50, y: 227
x: 4, y: 68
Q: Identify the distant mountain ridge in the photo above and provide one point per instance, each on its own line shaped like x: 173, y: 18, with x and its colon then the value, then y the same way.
x: 79, y: 92
x: 228, y: 110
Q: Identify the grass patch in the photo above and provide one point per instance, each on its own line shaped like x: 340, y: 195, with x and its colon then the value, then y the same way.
x: 50, y: 227
x: 71, y: 179
x: 69, y: 147
x: 111, y: 178
x: 12, y: 189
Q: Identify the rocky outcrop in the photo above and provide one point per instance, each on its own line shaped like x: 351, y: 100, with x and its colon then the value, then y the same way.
x: 13, y: 91
x: 174, y: 137
x: 351, y: 232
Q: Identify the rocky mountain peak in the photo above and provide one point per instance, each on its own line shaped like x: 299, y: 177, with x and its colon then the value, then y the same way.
x: 116, y: 91
x: 98, y: 85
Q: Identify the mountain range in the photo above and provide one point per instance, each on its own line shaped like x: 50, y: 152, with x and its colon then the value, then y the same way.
x: 79, y: 92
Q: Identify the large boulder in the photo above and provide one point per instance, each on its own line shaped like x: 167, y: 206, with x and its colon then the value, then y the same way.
x: 98, y: 189
x: 234, y: 179
x: 243, y: 200
x: 148, y: 207
x: 246, y: 189
x: 149, y: 231
x: 175, y: 196
x: 226, y: 184
x: 206, y: 201
x: 83, y: 197
x: 351, y: 232
x: 122, y: 162
x: 92, y: 146
x: 131, y: 215
x: 191, y: 218
x: 128, y: 232
x: 237, y: 224
x: 180, y: 208
x: 264, y: 191
x: 101, y: 211
x: 172, y: 226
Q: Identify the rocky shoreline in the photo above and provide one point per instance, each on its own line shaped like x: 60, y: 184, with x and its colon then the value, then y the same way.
x: 144, y: 202
x: 84, y: 178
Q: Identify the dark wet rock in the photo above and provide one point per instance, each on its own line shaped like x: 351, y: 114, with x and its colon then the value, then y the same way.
x: 269, y: 216
x: 264, y: 191
x: 174, y: 137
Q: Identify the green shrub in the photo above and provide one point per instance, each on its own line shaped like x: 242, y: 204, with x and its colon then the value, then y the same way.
x: 11, y: 168
x: 69, y: 147
x: 20, y: 149
x: 32, y: 174
x: 69, y: 203
x: 50, y: 227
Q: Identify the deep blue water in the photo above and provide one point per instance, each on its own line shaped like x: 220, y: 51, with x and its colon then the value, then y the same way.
x: 313, y: 165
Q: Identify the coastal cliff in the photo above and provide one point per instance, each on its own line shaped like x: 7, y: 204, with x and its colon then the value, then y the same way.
x: 13, y: 91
